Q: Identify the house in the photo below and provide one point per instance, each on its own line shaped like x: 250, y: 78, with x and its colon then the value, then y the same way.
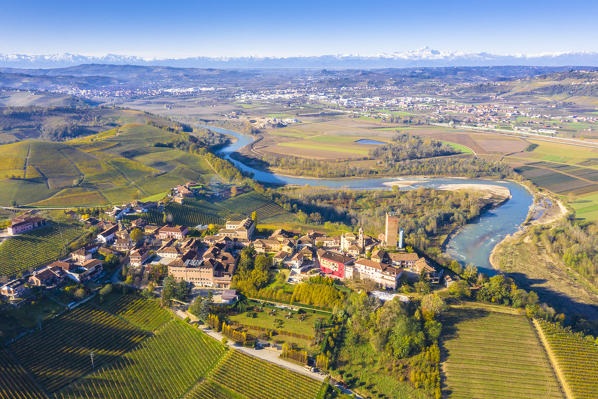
x: 386, y: 275
x: 403, y: 259
x: 47, y: 277
x: 176, y: 232
x: 228, y: 296
x: 204, y: 272
x: 24, y: 224
x: 328, y: 242
x: 14, y: 289
x: 80, y: 256
x: 107, y: 236
x: 334, y: 263
x: 139, y: 223
x: 168, y: 251
x: 280, y: 257
x: 151, y: 229
x: 123, y: 244
x: 242, y: 229
x: 139, y: 256
x: 265, y: 246
x: 86, y: 271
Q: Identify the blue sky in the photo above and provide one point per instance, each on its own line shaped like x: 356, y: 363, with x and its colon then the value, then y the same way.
x: 180, y: 28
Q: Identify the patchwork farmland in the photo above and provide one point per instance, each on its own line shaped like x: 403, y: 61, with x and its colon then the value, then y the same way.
x: 497, y: 355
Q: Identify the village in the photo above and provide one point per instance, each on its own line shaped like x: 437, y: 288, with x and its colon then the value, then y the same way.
x: 207, y: 259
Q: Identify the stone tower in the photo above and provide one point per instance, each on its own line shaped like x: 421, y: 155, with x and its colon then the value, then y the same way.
x: 392, y: 230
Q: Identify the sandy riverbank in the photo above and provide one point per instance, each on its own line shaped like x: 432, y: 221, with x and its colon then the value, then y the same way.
x: 490, y: 189
x: 401, y: 183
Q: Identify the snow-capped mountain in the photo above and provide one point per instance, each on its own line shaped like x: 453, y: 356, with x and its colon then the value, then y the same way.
x: 425, y: 57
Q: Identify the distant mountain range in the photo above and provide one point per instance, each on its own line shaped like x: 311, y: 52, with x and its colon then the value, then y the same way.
x: 425, y: 57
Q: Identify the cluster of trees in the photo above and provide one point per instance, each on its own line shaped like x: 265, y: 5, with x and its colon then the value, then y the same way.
x: 253, y: 272
x: 201, y: 307
x: 406, y: 146
x: 576, y: 244
x: 289, y: 352
x: 239, y: 337
x: 171, y: 289
x: 321, y: 294
x: 399, y: 331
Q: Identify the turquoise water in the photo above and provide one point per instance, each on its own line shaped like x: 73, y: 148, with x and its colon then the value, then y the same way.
x: 369, y: 141
x: 473, y: 244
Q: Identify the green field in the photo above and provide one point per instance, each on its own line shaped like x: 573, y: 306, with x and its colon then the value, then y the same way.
x: 144, y: 313
x: 36, y: 248
x: 14, y: 381
x: 494, y: 355
x: 175, y: 360
x: 109, y: 167
x: 254, y: 378
x: 60, y: 352
x: 165, y: 366
x: 577, y: 358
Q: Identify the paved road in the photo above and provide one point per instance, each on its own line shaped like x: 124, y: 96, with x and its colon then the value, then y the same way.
x: 269, y: 355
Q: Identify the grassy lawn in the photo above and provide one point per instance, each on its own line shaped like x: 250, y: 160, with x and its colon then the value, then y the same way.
x: 459, y: 147
x: 489, y: 354
x: 292, y: 324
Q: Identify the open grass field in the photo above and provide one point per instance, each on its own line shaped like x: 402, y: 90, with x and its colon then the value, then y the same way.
x: 577, y: 359
x: 36, y: 248
x: 60, y: 353
x: 109, y: 167
x: 494, y: 355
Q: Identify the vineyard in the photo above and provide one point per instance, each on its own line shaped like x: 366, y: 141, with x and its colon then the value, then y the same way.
x: 577, y: 358
x: 143, y: 313
x: 497, y: 355
x: 255, y: 378
x: 190, y: 215
x: 36, y: 248
x: 61, y: 352
x: 165, y: 366
x: 14, y: 381
x: 211, y: 390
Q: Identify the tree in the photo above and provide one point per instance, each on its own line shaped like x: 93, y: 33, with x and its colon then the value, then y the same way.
x: 470, y: 273
x: 106, y: 290
x: 137, y: 235
x: 460, y: 289
x: 254, y: 216
x: 168, y: 289
x: 201, y: 307
x: 233, y: 191
x: 432, y: 305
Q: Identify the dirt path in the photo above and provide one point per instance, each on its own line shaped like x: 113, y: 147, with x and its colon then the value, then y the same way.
x: 26, y: 162
x: 553, y: 361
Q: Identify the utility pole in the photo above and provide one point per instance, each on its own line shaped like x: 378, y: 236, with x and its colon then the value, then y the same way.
x: 92, y: 365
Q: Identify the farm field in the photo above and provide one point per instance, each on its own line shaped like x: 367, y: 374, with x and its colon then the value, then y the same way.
x: 577, y: 359
x: 569, y: 171
x: 36, y: 248
x: 498, y: 355
x: 60, y: 353
x: 146, y: 314
x: 114, y: 166
x: 164, y: 366
x: 15, y: 383
x: 254, y: 378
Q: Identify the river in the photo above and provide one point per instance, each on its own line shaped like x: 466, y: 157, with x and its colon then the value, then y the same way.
x: 472, y: 244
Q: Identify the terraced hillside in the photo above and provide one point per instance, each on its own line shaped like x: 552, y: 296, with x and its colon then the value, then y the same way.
x: 494, y: 355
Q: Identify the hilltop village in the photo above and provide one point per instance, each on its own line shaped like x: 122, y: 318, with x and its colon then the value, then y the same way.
x: 209, y: 259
